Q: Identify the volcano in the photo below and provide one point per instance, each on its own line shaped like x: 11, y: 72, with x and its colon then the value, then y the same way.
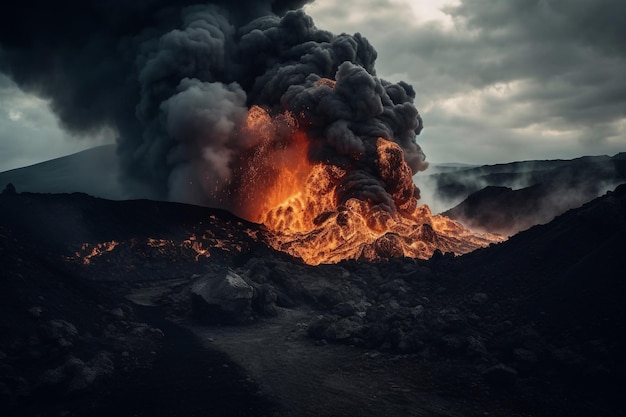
x: 271, y: 253
x: 98, y: 317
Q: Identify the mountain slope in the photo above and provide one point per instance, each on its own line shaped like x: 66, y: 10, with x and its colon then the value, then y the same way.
x: 569, y: 270
x: 550, y: 189
x: 93, y: 171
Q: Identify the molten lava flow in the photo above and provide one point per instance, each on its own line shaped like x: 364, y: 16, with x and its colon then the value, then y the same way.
x: 297, y: 201
x: 96, y: 250
x: 310, y: 227
x: 196, y: 246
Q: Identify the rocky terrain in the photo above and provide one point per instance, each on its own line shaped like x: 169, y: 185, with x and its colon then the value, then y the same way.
x: 148, y: 308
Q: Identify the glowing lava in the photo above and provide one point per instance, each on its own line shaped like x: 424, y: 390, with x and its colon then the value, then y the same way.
x: 298, y: 202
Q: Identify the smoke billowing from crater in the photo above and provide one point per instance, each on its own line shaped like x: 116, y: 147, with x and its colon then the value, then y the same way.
x: 178, y: 80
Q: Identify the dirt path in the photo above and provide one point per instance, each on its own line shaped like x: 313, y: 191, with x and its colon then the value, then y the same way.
x: 308, y: 379
x: 186, y: 380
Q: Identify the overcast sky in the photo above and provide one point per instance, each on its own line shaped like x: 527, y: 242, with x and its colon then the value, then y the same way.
x: 496, y: 80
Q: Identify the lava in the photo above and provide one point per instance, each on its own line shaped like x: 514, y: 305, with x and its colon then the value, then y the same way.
x: 194, y: 246
x: 89, y: 252
x: 297, y: 200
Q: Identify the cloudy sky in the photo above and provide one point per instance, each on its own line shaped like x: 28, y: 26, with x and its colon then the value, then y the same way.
x: 30, y: 132
x: 496, y: 80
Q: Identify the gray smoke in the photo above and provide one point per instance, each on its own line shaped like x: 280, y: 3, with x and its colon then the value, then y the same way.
x: 176, y: 80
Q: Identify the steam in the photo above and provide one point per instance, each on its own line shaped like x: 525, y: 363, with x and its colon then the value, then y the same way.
x: 176, y: 81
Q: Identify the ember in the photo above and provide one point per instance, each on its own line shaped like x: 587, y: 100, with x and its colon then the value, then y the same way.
x: 89, y: 251
x: 193, y: 246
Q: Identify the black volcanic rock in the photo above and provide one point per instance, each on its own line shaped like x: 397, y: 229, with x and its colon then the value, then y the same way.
x: 573, y: 261
x: 500, y: 376
x: 69, y: 340
x: 222, y: 297
x: 559, y: 286
x: 541, y: 314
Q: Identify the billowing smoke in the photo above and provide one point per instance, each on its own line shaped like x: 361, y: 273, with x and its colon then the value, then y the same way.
x: 177, y: 80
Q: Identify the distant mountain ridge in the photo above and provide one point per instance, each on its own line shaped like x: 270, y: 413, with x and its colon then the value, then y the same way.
x: 93, y: 171
x: 501, y: 198
x: 509, y: 198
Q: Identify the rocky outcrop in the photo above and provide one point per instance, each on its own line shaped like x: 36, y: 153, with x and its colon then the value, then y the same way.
x: 222, y: 297
x: 76, y: 375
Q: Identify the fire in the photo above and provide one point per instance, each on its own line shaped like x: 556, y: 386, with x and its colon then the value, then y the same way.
x: 276, y: 167
x: 297, y: 201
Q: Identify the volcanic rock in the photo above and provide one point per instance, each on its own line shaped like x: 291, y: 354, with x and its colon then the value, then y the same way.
x: 500, y: 376
x: 532, y: 323
x: 525, y: 360
x: 264, y: 301
x: 476, y: 347
x: 76, y: 375
x: 479, y: 298
x: 59, y: 331
x: 317, y: 328
x: 117, y: 312
x: 222, y: 297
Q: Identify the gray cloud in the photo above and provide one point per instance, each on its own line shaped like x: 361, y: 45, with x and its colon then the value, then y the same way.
x: 495, y: 82
x: 30, y: 133
x: 177, y: 82
x: 507, y: 80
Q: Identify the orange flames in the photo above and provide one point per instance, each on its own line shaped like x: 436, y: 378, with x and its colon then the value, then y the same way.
x: 297, y: 201
x: 276, y: 169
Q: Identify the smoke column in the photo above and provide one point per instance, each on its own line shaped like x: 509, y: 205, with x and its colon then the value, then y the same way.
x: 177, y: 80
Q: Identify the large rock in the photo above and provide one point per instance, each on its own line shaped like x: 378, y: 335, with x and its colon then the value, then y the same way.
x: 76, y: 375
x: 222, y: 297
x: 500, y: 376
x: 60, y: 332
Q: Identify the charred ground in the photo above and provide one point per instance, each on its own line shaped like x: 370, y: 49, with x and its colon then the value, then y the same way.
x: 533, y: 326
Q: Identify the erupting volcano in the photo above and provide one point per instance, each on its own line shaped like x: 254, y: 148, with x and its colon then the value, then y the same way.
x: 248, y: 106
x: 299, y: 201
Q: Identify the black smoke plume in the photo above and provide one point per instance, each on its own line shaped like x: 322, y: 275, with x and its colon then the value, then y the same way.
x: 176, y: 79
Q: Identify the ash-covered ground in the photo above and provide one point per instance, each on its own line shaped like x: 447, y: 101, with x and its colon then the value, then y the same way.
x: 150, y: 308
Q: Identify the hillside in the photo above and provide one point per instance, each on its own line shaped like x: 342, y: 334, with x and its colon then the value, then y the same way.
x: 518, y: 196
x: 96, y: 296
x: 94, y: 171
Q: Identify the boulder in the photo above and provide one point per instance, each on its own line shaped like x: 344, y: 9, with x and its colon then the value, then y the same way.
x: 479, y: 298
x: 345, y: 309
x: 345, y: 329
x: 525, y: 360
x: 500, y: 376
x: 475, y: 347
x: 319, y: 326
x: 222, y: 297
x: 264, y: 301
x: 76, y: 375
x: 60, y: 332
